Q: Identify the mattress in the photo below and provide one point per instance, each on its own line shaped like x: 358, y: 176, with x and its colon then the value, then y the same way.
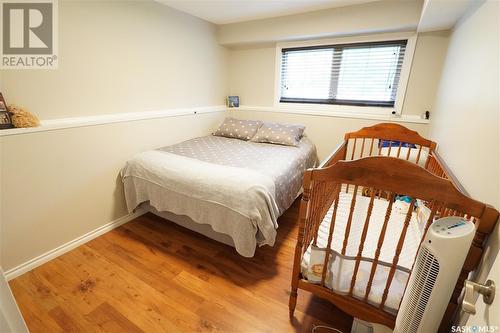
x: 239, y: 188
x: 341, y: 266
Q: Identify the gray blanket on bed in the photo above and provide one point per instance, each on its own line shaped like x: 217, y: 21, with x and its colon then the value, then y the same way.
x: 238, y: 187
x: 284, y: 164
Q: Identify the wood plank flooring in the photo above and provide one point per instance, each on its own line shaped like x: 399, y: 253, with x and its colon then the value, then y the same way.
x: 151, y: 275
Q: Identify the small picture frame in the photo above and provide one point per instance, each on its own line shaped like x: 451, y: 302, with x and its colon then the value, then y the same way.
x: 5, y: 119
x: 233, y: 101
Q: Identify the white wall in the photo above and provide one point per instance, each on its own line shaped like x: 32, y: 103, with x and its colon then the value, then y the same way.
x: 124, y: 56
x: 115, y: 56
x: 372, y: 17
x: 425, y: 73
x: 466, y: 126
x: 466, y: 118
x: 252, y: 73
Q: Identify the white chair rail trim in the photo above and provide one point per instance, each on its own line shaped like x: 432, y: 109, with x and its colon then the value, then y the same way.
x: 63, y: 123
x: 324, y: 112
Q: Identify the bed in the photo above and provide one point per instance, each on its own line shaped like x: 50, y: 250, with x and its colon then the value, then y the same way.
x: 364, y: 214
x: 228, y: 189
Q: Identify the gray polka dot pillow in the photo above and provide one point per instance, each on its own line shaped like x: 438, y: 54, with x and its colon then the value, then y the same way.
x: 238, y: 128
x: 281, y: 134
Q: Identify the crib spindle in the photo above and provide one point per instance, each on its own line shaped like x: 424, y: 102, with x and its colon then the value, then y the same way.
x: 308, y: 227
x: 314, y: 211
x: 389, y: 150
x: 418, y: 154
x: 310, y: 213
x: 399, y: 148
x: 349, y: 220
x: 319, y: 203
x: 446, y: 212
x: 330, y: 237
x: 362, y: 241
x: 381, y: 237
x: 353, y: 148
x: 408, y: 153
x: 380, y: 141
x: 311, y: 210
x: 371, y: 146
x: 427, y: 161
x: 399, y: 247
x: 362, y: 148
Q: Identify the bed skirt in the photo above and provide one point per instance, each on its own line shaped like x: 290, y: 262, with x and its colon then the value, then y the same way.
x: 186, y: 222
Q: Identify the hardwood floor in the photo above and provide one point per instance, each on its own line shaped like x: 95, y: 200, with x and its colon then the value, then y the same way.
x: 150, y: 275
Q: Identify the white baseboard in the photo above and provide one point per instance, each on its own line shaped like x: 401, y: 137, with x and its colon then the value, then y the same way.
x: 41, y: 259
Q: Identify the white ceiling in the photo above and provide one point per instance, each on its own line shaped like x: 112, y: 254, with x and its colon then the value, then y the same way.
x: 231, y: 11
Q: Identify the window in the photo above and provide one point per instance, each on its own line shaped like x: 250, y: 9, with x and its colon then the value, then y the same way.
x: 365, y: 74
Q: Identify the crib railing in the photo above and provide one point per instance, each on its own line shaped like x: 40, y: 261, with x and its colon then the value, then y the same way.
x: 377, y: 177
x: 384, y: 139
x: 314, y: 220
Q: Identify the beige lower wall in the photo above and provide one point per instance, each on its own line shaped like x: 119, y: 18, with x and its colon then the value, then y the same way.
x: 326, y: 132
x: 252, y: 73
x: 59, y: 185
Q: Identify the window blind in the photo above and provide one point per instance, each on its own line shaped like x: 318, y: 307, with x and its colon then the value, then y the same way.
x: 352, y: 74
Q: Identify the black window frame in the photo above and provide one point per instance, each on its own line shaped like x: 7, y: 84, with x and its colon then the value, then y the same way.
x: 334, y: 101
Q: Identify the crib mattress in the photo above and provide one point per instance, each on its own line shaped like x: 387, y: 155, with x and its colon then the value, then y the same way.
x: 341, y: 266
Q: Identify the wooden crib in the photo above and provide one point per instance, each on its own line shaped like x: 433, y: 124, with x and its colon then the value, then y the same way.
x: 360, y: 171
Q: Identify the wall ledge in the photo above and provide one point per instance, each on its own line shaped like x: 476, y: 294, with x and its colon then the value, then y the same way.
x: 63, y: 123
x: 74, y: 122
x: 336, y: 114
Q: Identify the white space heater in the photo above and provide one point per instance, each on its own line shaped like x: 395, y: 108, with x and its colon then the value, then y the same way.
x: 435, y: 273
